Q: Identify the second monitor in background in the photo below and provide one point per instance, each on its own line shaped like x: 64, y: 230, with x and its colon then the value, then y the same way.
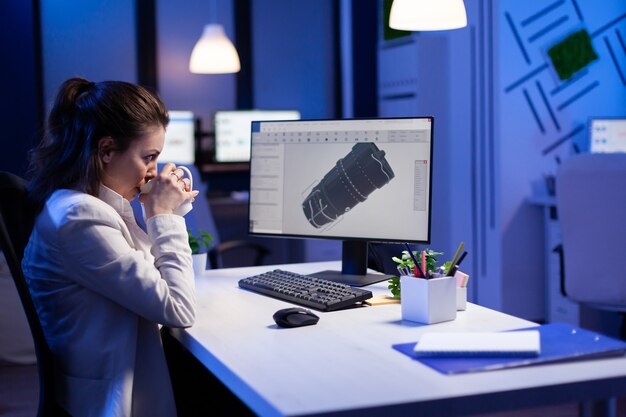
x: 607, y: 135
x: 232, y: 131
x: 179, y: 146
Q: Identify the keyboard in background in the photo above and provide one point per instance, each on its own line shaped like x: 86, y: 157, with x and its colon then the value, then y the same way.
x: 320, y: 294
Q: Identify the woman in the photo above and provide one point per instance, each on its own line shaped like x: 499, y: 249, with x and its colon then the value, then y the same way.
x: 102, y: 285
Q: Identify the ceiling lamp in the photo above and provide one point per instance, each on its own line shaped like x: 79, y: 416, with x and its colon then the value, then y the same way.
x: 418, y: 15
x: 214, y: 53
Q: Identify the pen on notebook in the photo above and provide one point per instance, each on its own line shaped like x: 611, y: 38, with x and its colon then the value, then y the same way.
x: 456, y: 255
x: 417, y: 265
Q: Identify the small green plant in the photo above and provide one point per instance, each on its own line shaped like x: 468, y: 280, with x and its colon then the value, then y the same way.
x: 394, y: 287
x: 406, y: 261
x: 199, y: 242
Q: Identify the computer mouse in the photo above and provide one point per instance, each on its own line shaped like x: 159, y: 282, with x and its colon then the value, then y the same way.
x: 295, y: 317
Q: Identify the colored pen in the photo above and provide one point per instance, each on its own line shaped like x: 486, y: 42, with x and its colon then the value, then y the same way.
x: 417, y: 265
x: 453, y: 270
x: 424, y: 266
x: 461, y: 259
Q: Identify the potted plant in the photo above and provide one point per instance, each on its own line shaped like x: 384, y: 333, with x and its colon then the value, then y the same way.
x: 405, y: 263
x: 200, y: 242
x: 424, y: 299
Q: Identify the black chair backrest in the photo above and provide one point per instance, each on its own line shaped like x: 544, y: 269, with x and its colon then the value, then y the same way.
x: 18, y: 211
x: 17, y: 217
x: 253, y: 253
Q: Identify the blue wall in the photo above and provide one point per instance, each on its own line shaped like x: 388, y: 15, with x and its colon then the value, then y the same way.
x: 541, y: 117
x: 501, y: 118
x: 19, y: 106
x: 91, y: 39
x: 294, y: 56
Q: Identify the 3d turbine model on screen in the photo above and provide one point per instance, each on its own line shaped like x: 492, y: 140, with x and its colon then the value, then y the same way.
x: 347, y: 184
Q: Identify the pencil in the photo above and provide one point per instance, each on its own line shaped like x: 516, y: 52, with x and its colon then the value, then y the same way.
x: 456, y: 255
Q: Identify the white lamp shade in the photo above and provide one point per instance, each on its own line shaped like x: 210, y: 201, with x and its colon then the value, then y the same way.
x: 417, y: 15
x: 214, y: 53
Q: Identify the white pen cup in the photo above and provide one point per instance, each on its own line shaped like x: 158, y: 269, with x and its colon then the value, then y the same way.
x: 427, y: 300
x: 461, y: 298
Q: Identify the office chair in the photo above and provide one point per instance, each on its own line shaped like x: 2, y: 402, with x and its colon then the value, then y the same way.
x: 17, y: 217
x: 253, y: 252
x: 591, y: 206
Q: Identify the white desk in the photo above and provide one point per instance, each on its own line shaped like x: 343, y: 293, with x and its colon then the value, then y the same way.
x: 346, y: 361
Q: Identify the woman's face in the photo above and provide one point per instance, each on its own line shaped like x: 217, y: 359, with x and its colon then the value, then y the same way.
x: 125, y: 172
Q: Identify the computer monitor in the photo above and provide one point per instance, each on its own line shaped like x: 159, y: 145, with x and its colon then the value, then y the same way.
x: 179, y: 145
x: 357, y: 180
x: 232, y: 131
x: 607, y: 135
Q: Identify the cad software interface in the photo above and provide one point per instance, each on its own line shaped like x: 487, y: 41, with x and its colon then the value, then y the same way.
x: 607, y: 135
x: 232, y: 131
x: 365, y: 179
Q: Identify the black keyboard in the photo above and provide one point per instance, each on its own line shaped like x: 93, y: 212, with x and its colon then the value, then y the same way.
x: 320, y: 294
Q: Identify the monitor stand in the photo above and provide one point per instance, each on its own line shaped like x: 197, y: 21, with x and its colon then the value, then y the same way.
x: 353, y: 266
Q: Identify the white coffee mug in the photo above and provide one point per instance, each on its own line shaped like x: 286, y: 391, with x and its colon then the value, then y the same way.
x: 186, y: 205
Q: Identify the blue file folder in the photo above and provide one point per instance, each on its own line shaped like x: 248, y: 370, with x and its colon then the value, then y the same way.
x: 559, y: 342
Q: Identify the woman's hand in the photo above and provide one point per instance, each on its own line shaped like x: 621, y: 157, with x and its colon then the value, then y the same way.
x: 169, y: 190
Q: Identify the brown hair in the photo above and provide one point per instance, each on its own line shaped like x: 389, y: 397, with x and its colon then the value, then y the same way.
x: 83, y: 113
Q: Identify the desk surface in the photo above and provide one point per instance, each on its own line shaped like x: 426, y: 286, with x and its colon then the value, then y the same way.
x: 346, y: 361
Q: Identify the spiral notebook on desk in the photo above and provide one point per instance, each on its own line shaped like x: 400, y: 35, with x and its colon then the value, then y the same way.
x: 478, y: 344
x: 559, y: 343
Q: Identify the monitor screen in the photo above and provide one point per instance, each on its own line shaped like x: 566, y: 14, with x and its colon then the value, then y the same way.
x: 607, y: 135
x: 232, y: 131
x: 179, y: 145
x: 357, y: 180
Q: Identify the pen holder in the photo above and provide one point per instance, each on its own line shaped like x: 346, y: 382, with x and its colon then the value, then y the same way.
x: 461, y: 298
x: 428, y: 301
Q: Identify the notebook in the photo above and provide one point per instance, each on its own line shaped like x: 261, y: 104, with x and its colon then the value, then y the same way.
x: 479, y: 344
x: 559, y: 343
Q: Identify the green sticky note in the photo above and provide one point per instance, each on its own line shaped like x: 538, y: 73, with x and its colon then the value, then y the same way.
x: 572, y: 54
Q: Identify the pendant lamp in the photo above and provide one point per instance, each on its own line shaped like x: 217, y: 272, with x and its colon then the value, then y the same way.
x: 422, y: 15
x: 214, y: 53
